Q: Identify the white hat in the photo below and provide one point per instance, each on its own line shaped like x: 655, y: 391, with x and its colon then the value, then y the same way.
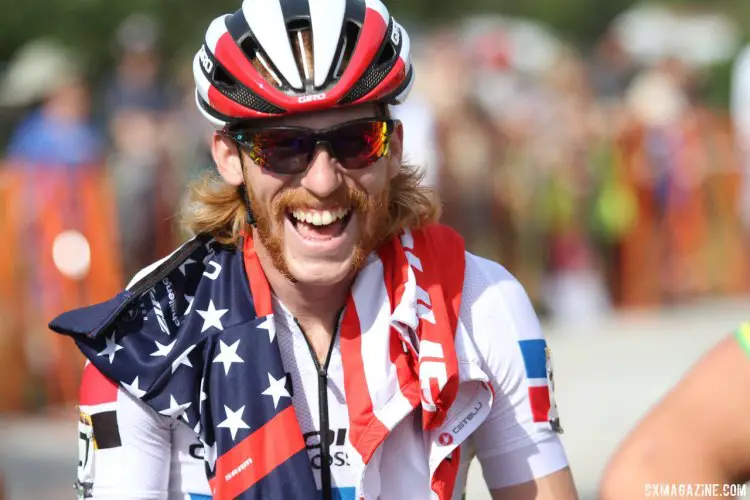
x: 39, y: 68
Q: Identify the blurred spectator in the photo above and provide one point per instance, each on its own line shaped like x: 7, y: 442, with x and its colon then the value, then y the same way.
x: 740, y: 109
x: 611, y: 69
x: 58, y: 229
x: 420, y: 139
x: 137, y: 103
x: 57, y: 132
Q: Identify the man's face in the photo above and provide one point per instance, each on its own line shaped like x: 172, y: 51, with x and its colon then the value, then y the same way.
x: 318, y: 226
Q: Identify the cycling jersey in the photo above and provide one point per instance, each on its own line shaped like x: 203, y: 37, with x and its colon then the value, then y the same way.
x: 135, y: 452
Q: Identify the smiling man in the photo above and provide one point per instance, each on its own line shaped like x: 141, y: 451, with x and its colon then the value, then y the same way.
x: 321, y: 336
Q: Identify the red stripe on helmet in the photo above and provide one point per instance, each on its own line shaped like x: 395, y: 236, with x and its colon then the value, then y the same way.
x: 231, y: 57
x: 236, y: 63
x: 370, y: 39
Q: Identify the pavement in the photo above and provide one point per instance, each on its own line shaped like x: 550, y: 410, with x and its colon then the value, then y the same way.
x: 607, y: 374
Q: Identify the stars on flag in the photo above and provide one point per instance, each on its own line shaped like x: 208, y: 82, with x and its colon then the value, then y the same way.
x: 183, y: 266
x: 212, y: 317
x: 234, y: 421
x: 228, y: 355
x: 182, y: 359
x: 211, y: 452
x: 111, y: 348
x: 269, y: 325
x: 189, y: 299
x: 176, y: 410
x: 276, y: 389
x: 163, y: 350
x: 133, y: 389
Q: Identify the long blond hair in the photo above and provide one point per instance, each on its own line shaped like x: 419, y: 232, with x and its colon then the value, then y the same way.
x: 218, y: 209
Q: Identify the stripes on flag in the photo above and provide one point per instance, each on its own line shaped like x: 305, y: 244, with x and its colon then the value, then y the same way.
x: 535, y: 361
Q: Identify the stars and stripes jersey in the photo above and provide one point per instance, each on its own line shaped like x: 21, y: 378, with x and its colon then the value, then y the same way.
x: 202, y: 287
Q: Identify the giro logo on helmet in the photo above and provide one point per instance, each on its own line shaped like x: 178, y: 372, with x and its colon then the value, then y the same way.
x: 310, y: 98
x: 206, y: 61
x: 396, y: 34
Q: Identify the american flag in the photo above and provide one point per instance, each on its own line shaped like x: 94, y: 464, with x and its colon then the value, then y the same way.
x: 226, y: 347
x: 193, y: 337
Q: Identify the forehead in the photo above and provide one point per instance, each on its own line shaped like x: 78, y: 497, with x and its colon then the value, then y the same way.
x: 324, y: 119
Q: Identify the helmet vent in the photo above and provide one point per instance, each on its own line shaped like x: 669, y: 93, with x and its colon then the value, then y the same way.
x: 301, y: 41
x: 253, y: 53
x: 223, y: 79
x: 346, y: 47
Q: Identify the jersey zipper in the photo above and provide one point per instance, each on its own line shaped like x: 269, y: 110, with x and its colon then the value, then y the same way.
x: 325, y: 449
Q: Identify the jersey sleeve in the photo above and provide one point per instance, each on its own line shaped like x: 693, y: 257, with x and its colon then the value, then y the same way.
x: 124, y: 446
x: 519, y: 440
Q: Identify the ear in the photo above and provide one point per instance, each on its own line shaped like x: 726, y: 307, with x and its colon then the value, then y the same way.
x: 396, y: 151
x: 226, y: 156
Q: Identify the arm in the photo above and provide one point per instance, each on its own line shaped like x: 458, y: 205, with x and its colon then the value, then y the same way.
x: 699, y: 433
x: 124, y: 447
x: 556, y: 485
x: 518, y: 445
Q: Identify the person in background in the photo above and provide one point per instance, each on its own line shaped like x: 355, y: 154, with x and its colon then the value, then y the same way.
x: 58, y: 205
x: 698, y: 434
x: 57, y: 132
x: 137, y: 104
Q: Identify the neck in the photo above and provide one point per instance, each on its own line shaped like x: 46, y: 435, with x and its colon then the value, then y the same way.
x: 314, y: 306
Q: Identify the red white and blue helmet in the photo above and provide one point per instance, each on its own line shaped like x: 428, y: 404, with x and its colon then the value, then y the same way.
x: 248, y: 67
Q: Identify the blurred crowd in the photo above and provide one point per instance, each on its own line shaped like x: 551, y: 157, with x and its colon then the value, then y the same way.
x: 602, y: 182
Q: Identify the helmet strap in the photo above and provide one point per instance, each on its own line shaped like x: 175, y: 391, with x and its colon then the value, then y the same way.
x: 251, y: 221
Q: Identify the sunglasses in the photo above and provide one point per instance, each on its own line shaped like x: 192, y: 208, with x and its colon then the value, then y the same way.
x: 289, y: 150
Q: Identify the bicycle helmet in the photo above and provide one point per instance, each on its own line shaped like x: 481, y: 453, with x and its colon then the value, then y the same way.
x: 273, y: 58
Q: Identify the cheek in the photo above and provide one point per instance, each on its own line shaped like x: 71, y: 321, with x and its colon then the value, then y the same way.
x: 265, y: 187
x: 372, y: 180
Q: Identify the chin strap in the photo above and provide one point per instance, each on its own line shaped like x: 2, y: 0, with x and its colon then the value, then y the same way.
x: 243, y: 189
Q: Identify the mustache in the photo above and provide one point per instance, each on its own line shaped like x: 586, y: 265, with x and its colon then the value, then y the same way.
x: 299, y: 198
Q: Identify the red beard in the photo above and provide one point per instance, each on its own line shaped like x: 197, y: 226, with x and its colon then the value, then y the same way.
x: 372, y: 212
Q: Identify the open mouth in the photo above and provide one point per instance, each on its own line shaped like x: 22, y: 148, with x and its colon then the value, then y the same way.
x: 320, y: 225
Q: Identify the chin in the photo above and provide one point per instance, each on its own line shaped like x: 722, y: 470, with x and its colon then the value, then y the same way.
x: 318, y: 271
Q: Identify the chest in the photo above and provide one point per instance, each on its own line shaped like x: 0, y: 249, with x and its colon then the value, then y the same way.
x: 320, y: 404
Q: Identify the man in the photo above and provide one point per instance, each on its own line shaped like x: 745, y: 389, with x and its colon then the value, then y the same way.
x: 699, y: 433
x: 319, y: 337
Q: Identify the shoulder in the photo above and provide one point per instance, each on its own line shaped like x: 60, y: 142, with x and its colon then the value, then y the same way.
x: 166, y: 286
x: 493, y: 299
x: 113, y: 410
x: 195, y: 251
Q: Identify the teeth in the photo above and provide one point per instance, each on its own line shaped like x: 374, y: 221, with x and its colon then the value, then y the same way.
x: 322, y: 218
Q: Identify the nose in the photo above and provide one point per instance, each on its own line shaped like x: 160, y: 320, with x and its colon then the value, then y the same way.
x: 323, y: 177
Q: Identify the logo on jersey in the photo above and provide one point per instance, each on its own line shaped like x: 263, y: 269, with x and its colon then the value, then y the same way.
x: 553, y: 416
x: 537, y: 358
x: 433, y: 373
x: 336, y: 446
x: 86, y: 446
x: 445, y: 439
